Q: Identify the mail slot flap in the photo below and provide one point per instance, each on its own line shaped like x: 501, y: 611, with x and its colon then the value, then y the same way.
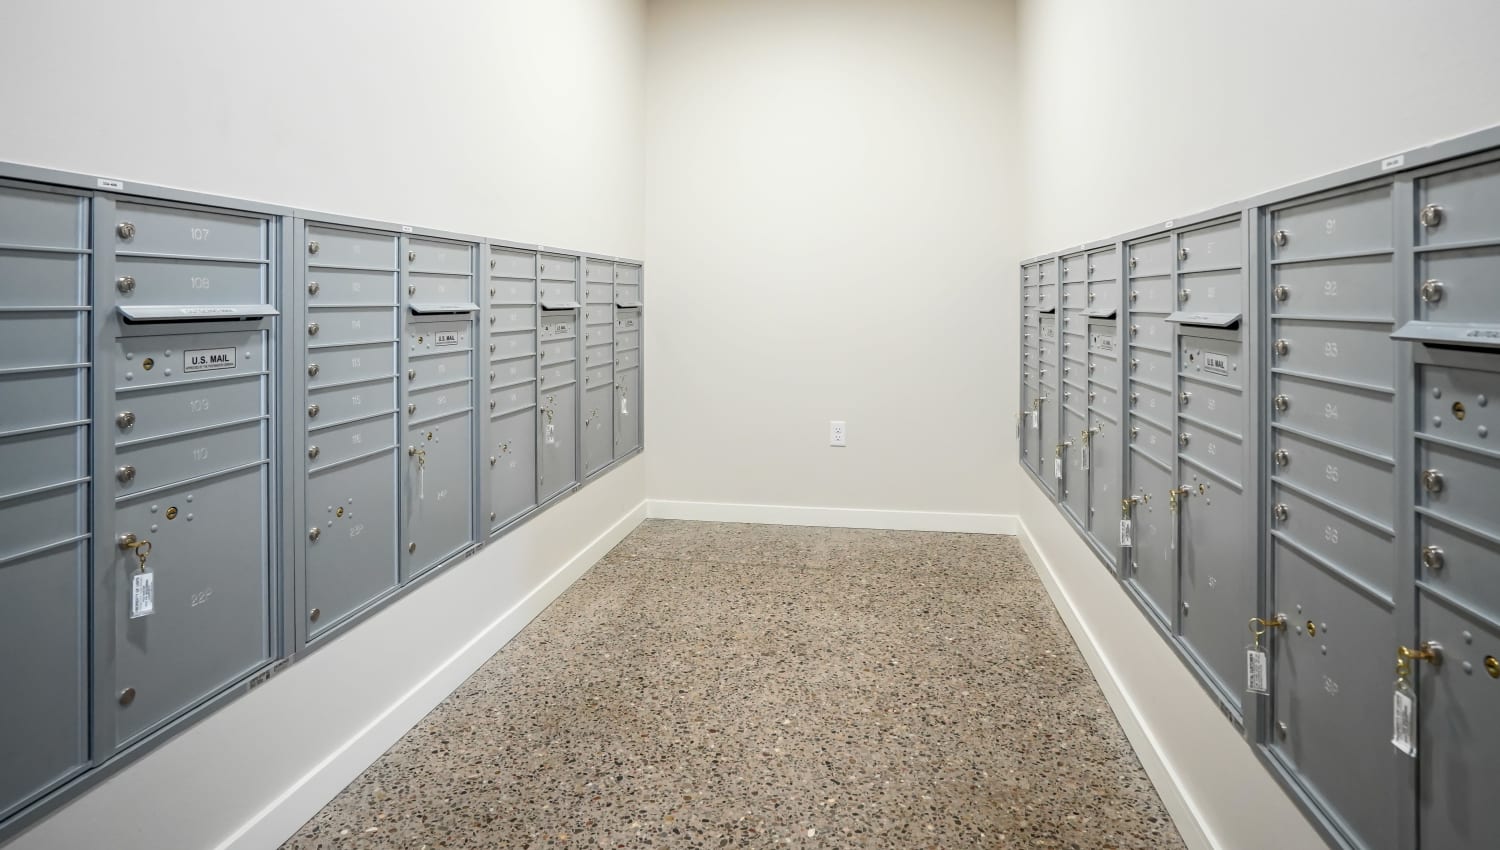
x: 1102, y: 313
x: 456, y: 307
x: 548, y: 304
x: 182, y: 313
x: 1450, y: 333
x: 1212, y: 320
x: 1049, y: 310
x: 628, y: 305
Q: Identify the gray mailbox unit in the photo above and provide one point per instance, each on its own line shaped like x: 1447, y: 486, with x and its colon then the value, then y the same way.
x: 629, y: 311
x: 511, y: 445
x: 1028, y: 418
x: 1101, y: 441
x: 44, y: 500
x: 557, y: 390
x: 1069, y: 470
x: 598, y: 444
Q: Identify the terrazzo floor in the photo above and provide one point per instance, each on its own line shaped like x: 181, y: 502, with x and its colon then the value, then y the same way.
x: 718, y: 685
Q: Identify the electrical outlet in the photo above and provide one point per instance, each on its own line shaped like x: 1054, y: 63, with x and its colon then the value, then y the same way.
x: 836, y: 434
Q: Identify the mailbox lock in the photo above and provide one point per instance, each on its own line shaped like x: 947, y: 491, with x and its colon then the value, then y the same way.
x: 1182, y: 397
x: 492, y: 460
x: 1432, y: 291
x: 1281, y: 238
x: 1429, y: 651
x: 1134, y: 295
x: 314, y: 614
x: 492, y: 404
x: 1282, y: 457
x: 1282, y: 293
x: 1134, y: 363
x: 312, y: 328
x: 411, y: 374
x: 1432, y: 481
x: 125, y: 474
x: 411, y: 408
x: 1134, y: 397
x: 1492, y: 667
x: 1092, y: 364
x: 312, y: 452
x: 411, y: 256
x: 1282, y: 347
x: 1183, y: 294
x: 312, y: 287
x: 1432, y: 557
x: 312, y: 247
x: 1183, y: 438
x: 411, y: 289
x: 126, y: 230
x: 1133, y: 262
x: 1281, y: 403
x: 312, y: 370
x: 1432, y: 215
x: 314, y: 533
x: 492, y: 265
x: 125, y: 419
x: 1134, y: 431
x: 125, y: 284
x: 1134, y: 329
x: 127, y: 696
x: 1182, y: 253
x: 312, y: 410
x: 1281, y: 512
x: 411, y: 548
x: 1091, y: 296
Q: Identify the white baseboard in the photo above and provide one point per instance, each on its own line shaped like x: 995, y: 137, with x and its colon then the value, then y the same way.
x: 281, y: 819
x: 832, y: 517
x: 1174, y: 793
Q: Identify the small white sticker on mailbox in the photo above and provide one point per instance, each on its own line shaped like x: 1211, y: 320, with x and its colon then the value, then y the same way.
x: 207, y: 359
x: 445, y: 338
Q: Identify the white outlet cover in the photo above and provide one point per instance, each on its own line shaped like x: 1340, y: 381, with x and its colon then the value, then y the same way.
x: 838, y: 435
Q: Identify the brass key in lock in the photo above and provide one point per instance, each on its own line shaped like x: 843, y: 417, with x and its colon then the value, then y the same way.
x: 1176, y: 494
x: 419, y: 453
x: 142, y: 548
x: 1066, y: 444
x: 1128, y: 503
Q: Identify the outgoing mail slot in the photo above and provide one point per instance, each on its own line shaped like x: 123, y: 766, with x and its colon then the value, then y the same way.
x: 504, y: 373
x: 599, y: 315
x: 41, y: 338
x: 1153, y: 257
x: 350, y: 363
x: 1359, y: 418
x: 600, y: 271
x: 511, y: 263
x: 145, y: 361
x: 1104, y: 265
x: 1152, y: 366
x: 348, y: 287
x: 179, y: 457
x: 600, y: 293
x: 350, y: 249
x: 597, y: 355
x: 513, y: 344
x: 1360, y: 353
x: 438, y: 369
x: 555, y: 267
x: 351, y: 401
x: 346, y: 326
x: 512, y: 291
x: 510, y: 399
x: 1357, y: 288
x: 1353, y: 482
x: 36, y: 279
x: 557, y: 351
x: 442, y: 258
x: 1460, y: 563
x: 1458, y: 485
x: 627, y: 359
x: 1153, y: 402
x: 1459, y: 405
x: 1459, y: 286
x: 1459, y: 206
x: 188, y: 233
x: 1210, y: 292
x: 513, y: 468
x: 1209, y: 449
x: 1346, y: 224
x: 343, y: 442
x: 39, y: 459
x: 556, y: 376
x: 160, y: 280
x: 1152, y: 439
x: 437, y: 337
x: 1152, y: 295
x: 172, y: 408
x: 423, y: 405
x: 1150, y: 332
x: 52, y: 397
x: 627, y: 340
x: 353, y: 561
x: 1357, y: 549
x: 1214, y: 247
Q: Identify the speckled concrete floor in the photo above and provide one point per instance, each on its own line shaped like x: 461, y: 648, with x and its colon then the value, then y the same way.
x: 715, y: 685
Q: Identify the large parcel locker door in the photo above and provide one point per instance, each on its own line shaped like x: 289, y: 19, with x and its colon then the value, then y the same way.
x: 1332, y: 497
x: 598, y: 366
x: 629, y: 366
x: 438, y: 479
x: 510, y: 448
x: 44, y: 450
x: 184, y: 580
x: 350, y: 348
x: 1456, y: 482
x: 557, y: 386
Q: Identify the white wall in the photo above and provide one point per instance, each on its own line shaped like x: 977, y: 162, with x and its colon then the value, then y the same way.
x: 830, y: 217
x: 518, y: 120
x: 1139, y: 112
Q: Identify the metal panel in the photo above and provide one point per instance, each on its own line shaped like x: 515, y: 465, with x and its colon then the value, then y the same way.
x: 1104, y: 472
x: 627, y: 411
x: 1103, y: 265
x: 1150, y: 331
x: 1459, y: 286
x: 350, y: 326
x: 1345, y: 351
x: 1210, y: 292
x: 40, y: 338
x: 1357, y: 549
x: 1151, y: 366
x: 339, y: 287
x: 439, y: 367
x: 595, y: 355
x: 512, y: 463
x: 32, y: 279
x: 1460, y: 563
x: 351, y: 550
x: 342, y: 364
x: 341, y: 248
x: 1459, y: 206
x: 426, y: 257
x: 438, y: 481
x: 1152, y: 295
x: 350, y: 401
x: 1104, y: 371
x: 557, y: 419
x: 598, y: 424
x: 142, y: 228
x: 1153, y: 558
x: 187, y: 406
x: 512, y: 263
x: 1075, y: 295
x: 1071, y: 269
x: 1348, y: 415
x: 1103, y: 398
x: 1352, y: 288
x: 1153, y: 439
x: 344, y: 442
x: 190, y: 454
x: 1352, y: 482
x: 1153, y: 402
x: 518, y: 344
x: 1151, y: 257
x: 507, y: 399
x: 1458, y: 485
x: 161, y: 280
x: 1218, y: 568
x: 504, y: 373
x: 600, y: 314
x: 1214, y: 247
x: 1459, y: 405
x: 1359, y: 222
x: 1075, y: 483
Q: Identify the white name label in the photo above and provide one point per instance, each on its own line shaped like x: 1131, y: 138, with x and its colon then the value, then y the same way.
x: 1405, y: 722
x: 1125, y: 532
x: 445, y: 338
x: 142, y: 594
x: 1393, y: 162
x: 1255, y: 671
x: 106, y: 183
x: 207, y: 359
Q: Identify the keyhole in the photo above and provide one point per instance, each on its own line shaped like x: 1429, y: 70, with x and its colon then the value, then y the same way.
x: 148, y: 363
x: 1458, y: 410
x: 1312, y: 628
x: 172, y: 512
